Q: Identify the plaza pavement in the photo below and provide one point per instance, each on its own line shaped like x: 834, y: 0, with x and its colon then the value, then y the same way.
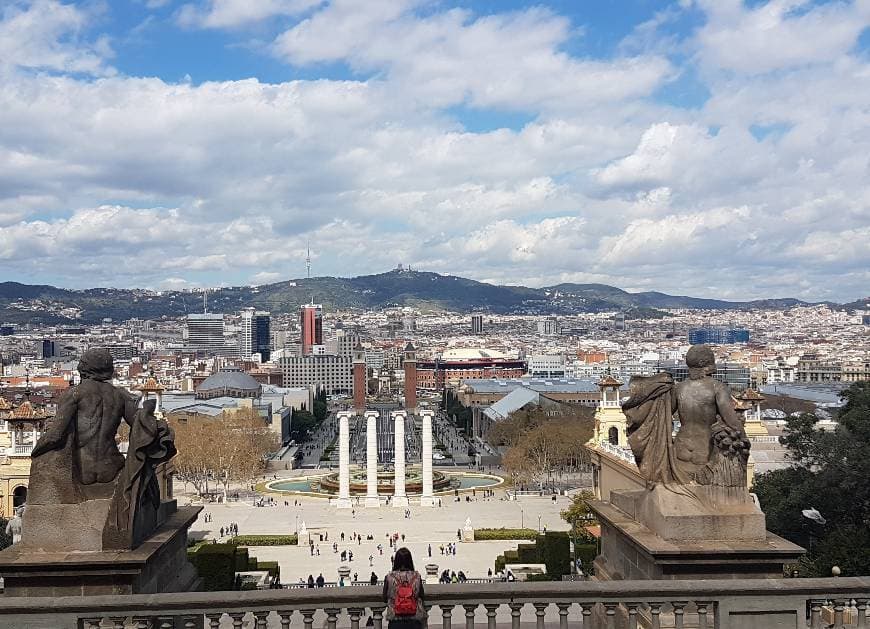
x: 427, y: 525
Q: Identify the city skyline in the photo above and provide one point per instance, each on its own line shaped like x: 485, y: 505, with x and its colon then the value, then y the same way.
x: 712, y: 149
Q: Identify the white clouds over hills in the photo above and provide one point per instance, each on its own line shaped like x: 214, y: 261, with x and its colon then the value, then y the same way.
x: 759, y: 190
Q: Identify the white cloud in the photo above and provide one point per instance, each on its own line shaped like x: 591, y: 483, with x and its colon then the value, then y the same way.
x: 235, y: 13
x: 443, y: 58
x: 761, y: 190
x: 778, y: 34
x: 48, y: 35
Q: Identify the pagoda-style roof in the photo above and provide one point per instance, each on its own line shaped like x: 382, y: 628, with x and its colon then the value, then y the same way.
x: 609, y: 381
x: 751, y: 395
x: 27, y: 412
x: 740, y: 405
x: 151, y: 386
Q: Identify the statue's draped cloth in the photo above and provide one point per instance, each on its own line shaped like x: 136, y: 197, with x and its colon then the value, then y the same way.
x: 650, y: 411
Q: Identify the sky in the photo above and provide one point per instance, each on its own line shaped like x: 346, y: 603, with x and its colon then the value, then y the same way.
x: 714, y: 148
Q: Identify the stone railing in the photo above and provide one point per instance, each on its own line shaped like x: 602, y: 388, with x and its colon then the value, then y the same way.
x: 726, y: 604
x: 622, y: 453
x: 21, y: 450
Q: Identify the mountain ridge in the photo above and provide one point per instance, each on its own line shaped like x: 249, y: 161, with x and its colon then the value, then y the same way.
x: 41, y: 303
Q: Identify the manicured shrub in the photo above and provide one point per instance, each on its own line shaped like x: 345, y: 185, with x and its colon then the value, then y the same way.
x: 272, y: 566
x: 505, y: 534
x: 586, y: 553
x: 554, y: 550
x: 243, y: 559
x: 528, y: 553
x: 499, y: 563
x: 264, y: 540
x: 216, y: 565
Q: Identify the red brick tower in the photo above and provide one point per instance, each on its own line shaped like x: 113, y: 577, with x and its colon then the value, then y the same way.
x: 410, y: 364
x: 359, y: 379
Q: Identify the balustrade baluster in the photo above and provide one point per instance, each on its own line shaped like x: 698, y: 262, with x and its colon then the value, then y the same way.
x: 861, y: 606
x: 540, y: 612
x: 260, y: 621
x: 678, y: 613
x: 238, y: 618
x: 190, y: 621
x: 285, y: 615
x: 563, y: 614
x: 118, y: 622
x: 308, y: 618
x: 586, y: 612
x: 491, y: 609
x: 378, y: 617
x: 331, y: 617
x: 469, y: 615
x: 839, y: 606
x: 142, y: 622
x: 166, y: 622
x: 214, y: 620
x: 632, y: 614
x: 354, y: 613
x: 655, y: 612
x: 815, y: 614
x: 516, y: 608
x: 610, y: 615
x: 702, y: 613
x: 446, y: 616
x: 92, y: 623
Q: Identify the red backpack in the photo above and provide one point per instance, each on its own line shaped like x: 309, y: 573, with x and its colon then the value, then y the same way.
x: 405, y: 603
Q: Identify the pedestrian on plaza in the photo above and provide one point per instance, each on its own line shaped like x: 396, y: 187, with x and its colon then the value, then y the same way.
x: 355, y: 577
x: 430, y: 550
x: 459, y: 534
x: 373, y: 580
x: 403, y: 537
x: 311, y: 581
x: 371, y: 560
x: 489, y: 573
x: 222, y: 531
x: 320, y: 580
x: 403, y: 594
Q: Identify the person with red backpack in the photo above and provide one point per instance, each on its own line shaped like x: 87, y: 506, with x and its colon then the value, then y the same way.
x: 403, y: 594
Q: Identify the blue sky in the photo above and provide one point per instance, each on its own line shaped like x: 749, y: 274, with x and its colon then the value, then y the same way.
x: 709, y: 147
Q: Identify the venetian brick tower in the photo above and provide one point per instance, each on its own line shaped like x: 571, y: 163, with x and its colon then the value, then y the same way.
x: 410, y: 364
x: 359, y: 379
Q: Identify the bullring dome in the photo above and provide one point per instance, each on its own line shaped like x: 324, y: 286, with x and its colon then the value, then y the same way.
x: 229, y: 382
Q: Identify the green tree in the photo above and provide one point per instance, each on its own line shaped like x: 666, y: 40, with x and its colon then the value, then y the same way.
x: 579, y: 516
x: 320, y: 410
x: 301, y: 425
x: 830, y: 474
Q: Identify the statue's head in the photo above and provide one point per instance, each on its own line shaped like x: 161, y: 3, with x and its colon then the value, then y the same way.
x: 701, y: 361
x: 97, y: 364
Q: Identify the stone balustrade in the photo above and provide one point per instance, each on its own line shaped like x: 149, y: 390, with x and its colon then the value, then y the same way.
x: 725, y: 604
x: 622, y: 453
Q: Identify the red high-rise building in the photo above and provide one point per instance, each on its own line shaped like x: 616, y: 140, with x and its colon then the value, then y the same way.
x: 410, y: 365
x: 359, y: 379
x: 311, y: 319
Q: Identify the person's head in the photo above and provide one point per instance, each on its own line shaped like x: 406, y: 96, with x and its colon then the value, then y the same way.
x: 701, y: 361
x: 403, y: 560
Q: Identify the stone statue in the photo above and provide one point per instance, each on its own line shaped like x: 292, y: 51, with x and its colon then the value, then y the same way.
x: 13, y: 527
x: 83, y: 494
x: 710, y: 448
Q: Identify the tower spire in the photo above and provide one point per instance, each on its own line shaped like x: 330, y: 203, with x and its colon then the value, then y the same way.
x: 308, y: 260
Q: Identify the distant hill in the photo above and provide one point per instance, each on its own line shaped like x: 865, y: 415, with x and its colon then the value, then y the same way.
x: 22, y: 303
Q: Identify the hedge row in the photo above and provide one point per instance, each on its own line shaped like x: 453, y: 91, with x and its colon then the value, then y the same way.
x: 505, y: 534
x: 264, y: 540
x: 217, y: 565
x: 553, y: 549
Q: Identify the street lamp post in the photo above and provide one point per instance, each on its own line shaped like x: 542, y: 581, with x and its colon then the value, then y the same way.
x: 522, y: 520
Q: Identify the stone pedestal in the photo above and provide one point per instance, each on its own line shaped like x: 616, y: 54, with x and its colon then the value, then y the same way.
x: 343, y: 501
x: 427, y: 498
x: 645, y: 536
x: 372, y: 499
x: 158, y: 565
x: 400, y: 498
